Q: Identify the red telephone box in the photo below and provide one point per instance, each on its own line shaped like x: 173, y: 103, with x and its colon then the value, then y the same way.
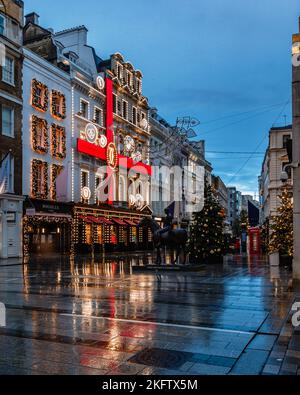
x: 254, y: 241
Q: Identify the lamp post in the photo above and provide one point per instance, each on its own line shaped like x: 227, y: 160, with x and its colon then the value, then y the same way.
x: 296, y: 151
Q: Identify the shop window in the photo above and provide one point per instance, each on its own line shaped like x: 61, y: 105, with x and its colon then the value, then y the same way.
x: 8, y: 71
x: 39, y: 95
x: 58, y: 141
x: 133, y: 234
x: 58, y: 105
x: 113, y: 235
x: 39, y: 134
x: 88, y: 234
x: 99, y: 234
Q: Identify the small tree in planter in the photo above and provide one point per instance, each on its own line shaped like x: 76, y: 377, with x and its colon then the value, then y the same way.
x: 281, y: 229
x: 207, y: 242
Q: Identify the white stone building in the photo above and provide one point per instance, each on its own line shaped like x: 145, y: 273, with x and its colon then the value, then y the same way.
x: 270, y: 184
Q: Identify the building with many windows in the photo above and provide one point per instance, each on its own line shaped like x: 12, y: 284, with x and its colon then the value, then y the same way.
x: 46, y: 145
x: 179, y: 170
x: 275, y: 160
x: 105, y: 160
x: 234, y: 205
x: 11, y: 201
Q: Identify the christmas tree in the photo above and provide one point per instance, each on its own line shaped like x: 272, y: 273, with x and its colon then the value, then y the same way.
x: 281, y: 227
x: 206, y: 236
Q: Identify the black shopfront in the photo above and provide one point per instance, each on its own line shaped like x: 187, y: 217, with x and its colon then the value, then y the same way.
x: 47, y: 227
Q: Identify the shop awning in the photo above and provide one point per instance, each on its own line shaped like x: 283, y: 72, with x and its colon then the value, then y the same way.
x: 85, y: 219
x: 104, y: 221
x: 119, y: 221
x: 92, y: 218
x: 130, y: 222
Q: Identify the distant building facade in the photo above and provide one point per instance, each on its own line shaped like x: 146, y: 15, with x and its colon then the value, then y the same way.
x: 270, y: 184
x: 171, y: 150
x: 234, y: 205
x: 221, y: 192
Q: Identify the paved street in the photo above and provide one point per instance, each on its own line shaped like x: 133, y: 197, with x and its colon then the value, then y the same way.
x: 98, y: 317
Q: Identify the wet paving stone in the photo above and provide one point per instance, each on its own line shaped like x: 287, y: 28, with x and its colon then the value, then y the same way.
x: 96, y: 317
x: 160, y: 358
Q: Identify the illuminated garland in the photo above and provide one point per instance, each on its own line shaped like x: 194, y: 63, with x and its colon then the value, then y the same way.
x: 55, y: 171
x: 35, y: 165
x: 35, y: 124
x: 58, y: 97
x: 38, y: 102
x: 55, y: 131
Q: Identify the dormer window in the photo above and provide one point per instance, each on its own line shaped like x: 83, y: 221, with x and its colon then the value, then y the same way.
x: 119, y: 71
x: 129, y: 79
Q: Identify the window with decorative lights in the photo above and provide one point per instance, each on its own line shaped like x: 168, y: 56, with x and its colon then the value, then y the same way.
x: 58, y: 141
x: 107, y: 234
x: 133, y: 234
x: 39, y: 135
x: 55, y: 171
x: 39, y: 95
x: 98, y: 234
x: 58, y: 105
x: 39, y: 179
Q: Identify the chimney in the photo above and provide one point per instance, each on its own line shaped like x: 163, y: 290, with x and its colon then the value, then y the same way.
x: 32, y: 18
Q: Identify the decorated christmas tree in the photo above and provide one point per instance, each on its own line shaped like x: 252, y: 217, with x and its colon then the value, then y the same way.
x: 206, y: 237
x: 281, y: 227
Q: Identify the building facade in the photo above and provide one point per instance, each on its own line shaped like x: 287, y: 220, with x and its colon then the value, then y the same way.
x: 179, y: 171
x: 11, y: 201
x: 46, y: 145
x: 270, y: 183
x: 234, y: 205
x: 106, y: 146
x: 221, y: 192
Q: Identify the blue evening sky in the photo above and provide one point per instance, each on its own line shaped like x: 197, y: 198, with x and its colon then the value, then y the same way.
x: 227, y: 63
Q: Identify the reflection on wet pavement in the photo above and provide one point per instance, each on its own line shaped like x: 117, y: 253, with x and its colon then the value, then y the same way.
x: 96, y: 316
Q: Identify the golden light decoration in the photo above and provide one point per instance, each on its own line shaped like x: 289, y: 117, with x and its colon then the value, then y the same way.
x: 55, y: 171
x: 36, y: 166
x: 112, y: 155
x: 58, y: 132
x: 58, y: 105
x: 36, y: 124
x: 39, y: 95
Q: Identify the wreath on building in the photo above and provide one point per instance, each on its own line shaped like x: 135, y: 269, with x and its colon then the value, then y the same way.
x: 55, y: 130
x: 55, y: 171
x: 43, y: 124
x: 36, y: 99
x: 58, y: 97
x: 36, y: 164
